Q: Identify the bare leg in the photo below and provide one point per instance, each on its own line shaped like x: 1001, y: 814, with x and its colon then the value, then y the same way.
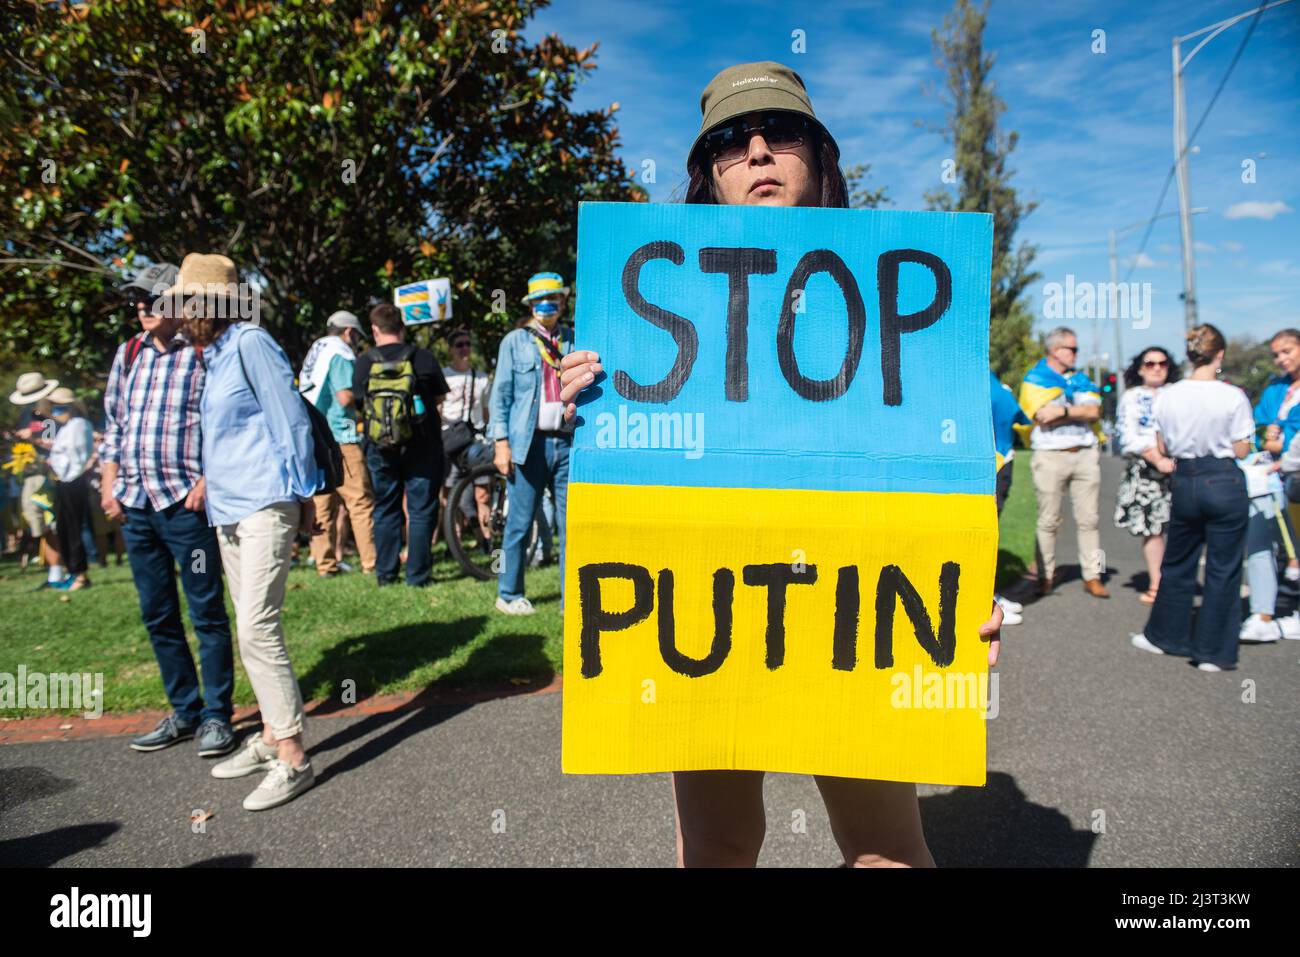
x: 875, y: 823
x: 1153, y: 550
x: 720, y: 820
x: 289, y: 750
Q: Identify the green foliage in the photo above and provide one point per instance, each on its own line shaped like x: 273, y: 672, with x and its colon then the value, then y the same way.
x: 1249, y: 364
x: 981, y: 155
x: 862, y: 196
x: 331, y: 149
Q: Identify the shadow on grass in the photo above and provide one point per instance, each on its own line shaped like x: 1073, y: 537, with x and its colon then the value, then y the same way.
x: 997, y: 826
x: 372, y: 661
x: 1011, y: 569
x: 527, y: 655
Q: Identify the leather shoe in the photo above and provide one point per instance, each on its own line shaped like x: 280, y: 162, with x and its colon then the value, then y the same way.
x: 1095, y: 588
x: 1045, y: 585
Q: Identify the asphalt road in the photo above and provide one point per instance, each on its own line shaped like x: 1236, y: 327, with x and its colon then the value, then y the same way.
x: 1100, y: 756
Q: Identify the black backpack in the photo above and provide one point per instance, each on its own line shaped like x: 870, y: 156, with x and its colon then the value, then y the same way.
x: 325, y: 448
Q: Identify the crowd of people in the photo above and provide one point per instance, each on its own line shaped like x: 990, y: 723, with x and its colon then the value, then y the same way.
x: 1203, y: 482
x: 214, y: 460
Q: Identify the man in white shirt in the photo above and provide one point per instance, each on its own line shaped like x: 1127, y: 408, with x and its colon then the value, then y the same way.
x: 1065, y: 407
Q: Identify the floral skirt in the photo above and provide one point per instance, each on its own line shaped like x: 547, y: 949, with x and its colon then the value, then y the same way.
x: 1143, y: 503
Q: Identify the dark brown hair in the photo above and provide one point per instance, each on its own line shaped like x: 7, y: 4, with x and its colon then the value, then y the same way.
x: 1133, y: 374
x: 834, y: 194
x: 387, y: 318
x: 1204, y: 342
x: 1285, y: 334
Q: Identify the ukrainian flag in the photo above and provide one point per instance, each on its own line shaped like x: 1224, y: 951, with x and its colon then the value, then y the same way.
x: 1043, y: 384
x: 681, y: 654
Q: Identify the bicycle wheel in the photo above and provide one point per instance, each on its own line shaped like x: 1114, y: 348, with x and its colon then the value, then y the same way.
x: 474, y: 548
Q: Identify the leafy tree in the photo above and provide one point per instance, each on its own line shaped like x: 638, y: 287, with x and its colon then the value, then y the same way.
x: 981, y: 154
x: 332, y: 148
x: 862, y: 196
x: 1249, y: 364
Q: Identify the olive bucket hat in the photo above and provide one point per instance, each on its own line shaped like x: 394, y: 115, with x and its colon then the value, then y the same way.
x: 753, y: 88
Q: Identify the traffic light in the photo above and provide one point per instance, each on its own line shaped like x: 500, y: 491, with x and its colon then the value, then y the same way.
x: 1109, y: 385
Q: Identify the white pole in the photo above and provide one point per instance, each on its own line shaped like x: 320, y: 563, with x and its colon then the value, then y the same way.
x: 1184, y: 191
x: 1119, y: 348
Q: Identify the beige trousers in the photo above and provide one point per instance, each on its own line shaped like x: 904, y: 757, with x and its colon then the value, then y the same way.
x: 354, y: 493
x: 1080, y: 473
x: 255, y: 555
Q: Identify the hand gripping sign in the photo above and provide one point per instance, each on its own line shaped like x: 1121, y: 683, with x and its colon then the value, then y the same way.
x: 781, y: 521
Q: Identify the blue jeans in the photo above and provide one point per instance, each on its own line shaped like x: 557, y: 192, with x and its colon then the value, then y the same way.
x: 416, y: 470
x: 1208, y: 510
x: 154, y: 540
x: 546, y: 466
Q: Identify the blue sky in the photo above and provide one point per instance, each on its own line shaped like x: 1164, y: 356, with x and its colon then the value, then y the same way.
x: 1095, y: 128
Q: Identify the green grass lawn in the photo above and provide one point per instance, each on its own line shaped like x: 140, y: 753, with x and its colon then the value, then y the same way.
x: 386, y: 640
x: 1016, y: 541
x: 389, y: 640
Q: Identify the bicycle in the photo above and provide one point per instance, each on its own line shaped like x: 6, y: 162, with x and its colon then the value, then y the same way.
x: 477, y: 544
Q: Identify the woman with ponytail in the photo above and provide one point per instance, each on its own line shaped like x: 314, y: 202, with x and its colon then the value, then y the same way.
x: 1204, y: 425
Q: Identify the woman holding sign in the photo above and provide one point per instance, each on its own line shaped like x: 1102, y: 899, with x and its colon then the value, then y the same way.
x: 761, y: 144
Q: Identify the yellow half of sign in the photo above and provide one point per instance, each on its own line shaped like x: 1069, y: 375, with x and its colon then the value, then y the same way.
x: 887, y: 711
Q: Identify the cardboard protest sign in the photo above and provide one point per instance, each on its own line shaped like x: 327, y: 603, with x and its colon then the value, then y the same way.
x: 428, y: 300
x: 781, y: 521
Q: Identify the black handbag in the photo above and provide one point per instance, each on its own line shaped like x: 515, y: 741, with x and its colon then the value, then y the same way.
x: 456, y: 438
x: 459, y: 436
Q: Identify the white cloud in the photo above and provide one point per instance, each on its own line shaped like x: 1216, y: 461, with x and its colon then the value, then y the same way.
x: 1143, y: 262
x: 1255, y: 209
x: 1204, y: 247
x: 1279, y: 267
x: 1233, y: 247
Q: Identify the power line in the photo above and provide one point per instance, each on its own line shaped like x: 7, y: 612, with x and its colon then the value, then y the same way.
x: 1169, y: 177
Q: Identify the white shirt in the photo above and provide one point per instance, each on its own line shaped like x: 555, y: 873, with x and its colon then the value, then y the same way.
x: 74, y: 444
x: 1200, y: 418
x: 467, y: 388
x: 1071, y: 435
x: 1135, y: 420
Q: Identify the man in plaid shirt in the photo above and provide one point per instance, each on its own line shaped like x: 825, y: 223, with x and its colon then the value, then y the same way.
x: 153, y: 479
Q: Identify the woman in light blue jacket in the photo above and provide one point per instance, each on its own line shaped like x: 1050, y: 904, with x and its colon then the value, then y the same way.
x: 532, y: 438
x: 260, y: 472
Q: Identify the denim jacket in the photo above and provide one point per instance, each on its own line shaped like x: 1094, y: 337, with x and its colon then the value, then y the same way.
x: 517, y: 389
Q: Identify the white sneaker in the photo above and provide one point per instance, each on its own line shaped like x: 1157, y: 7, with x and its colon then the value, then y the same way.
x: 1139, y: 640
x: 1010, y: 617
x: 520, y: 606
x: 256, y: 755
x: 1290, y: 626
x: 1256, y: 629
x: 344, y: 567
x: 282, y: 783
x: 1207, y: 666
x: 1009, y: 605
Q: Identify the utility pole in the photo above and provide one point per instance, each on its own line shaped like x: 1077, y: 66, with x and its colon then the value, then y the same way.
x: 1184, y: 190
x: 1113, y: 235
x: 1181, y: 149
x: 1114, y: 314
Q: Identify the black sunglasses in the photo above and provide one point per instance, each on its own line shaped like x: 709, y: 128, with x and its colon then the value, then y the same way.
x: 460, y: 342
x: 729, y: 142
